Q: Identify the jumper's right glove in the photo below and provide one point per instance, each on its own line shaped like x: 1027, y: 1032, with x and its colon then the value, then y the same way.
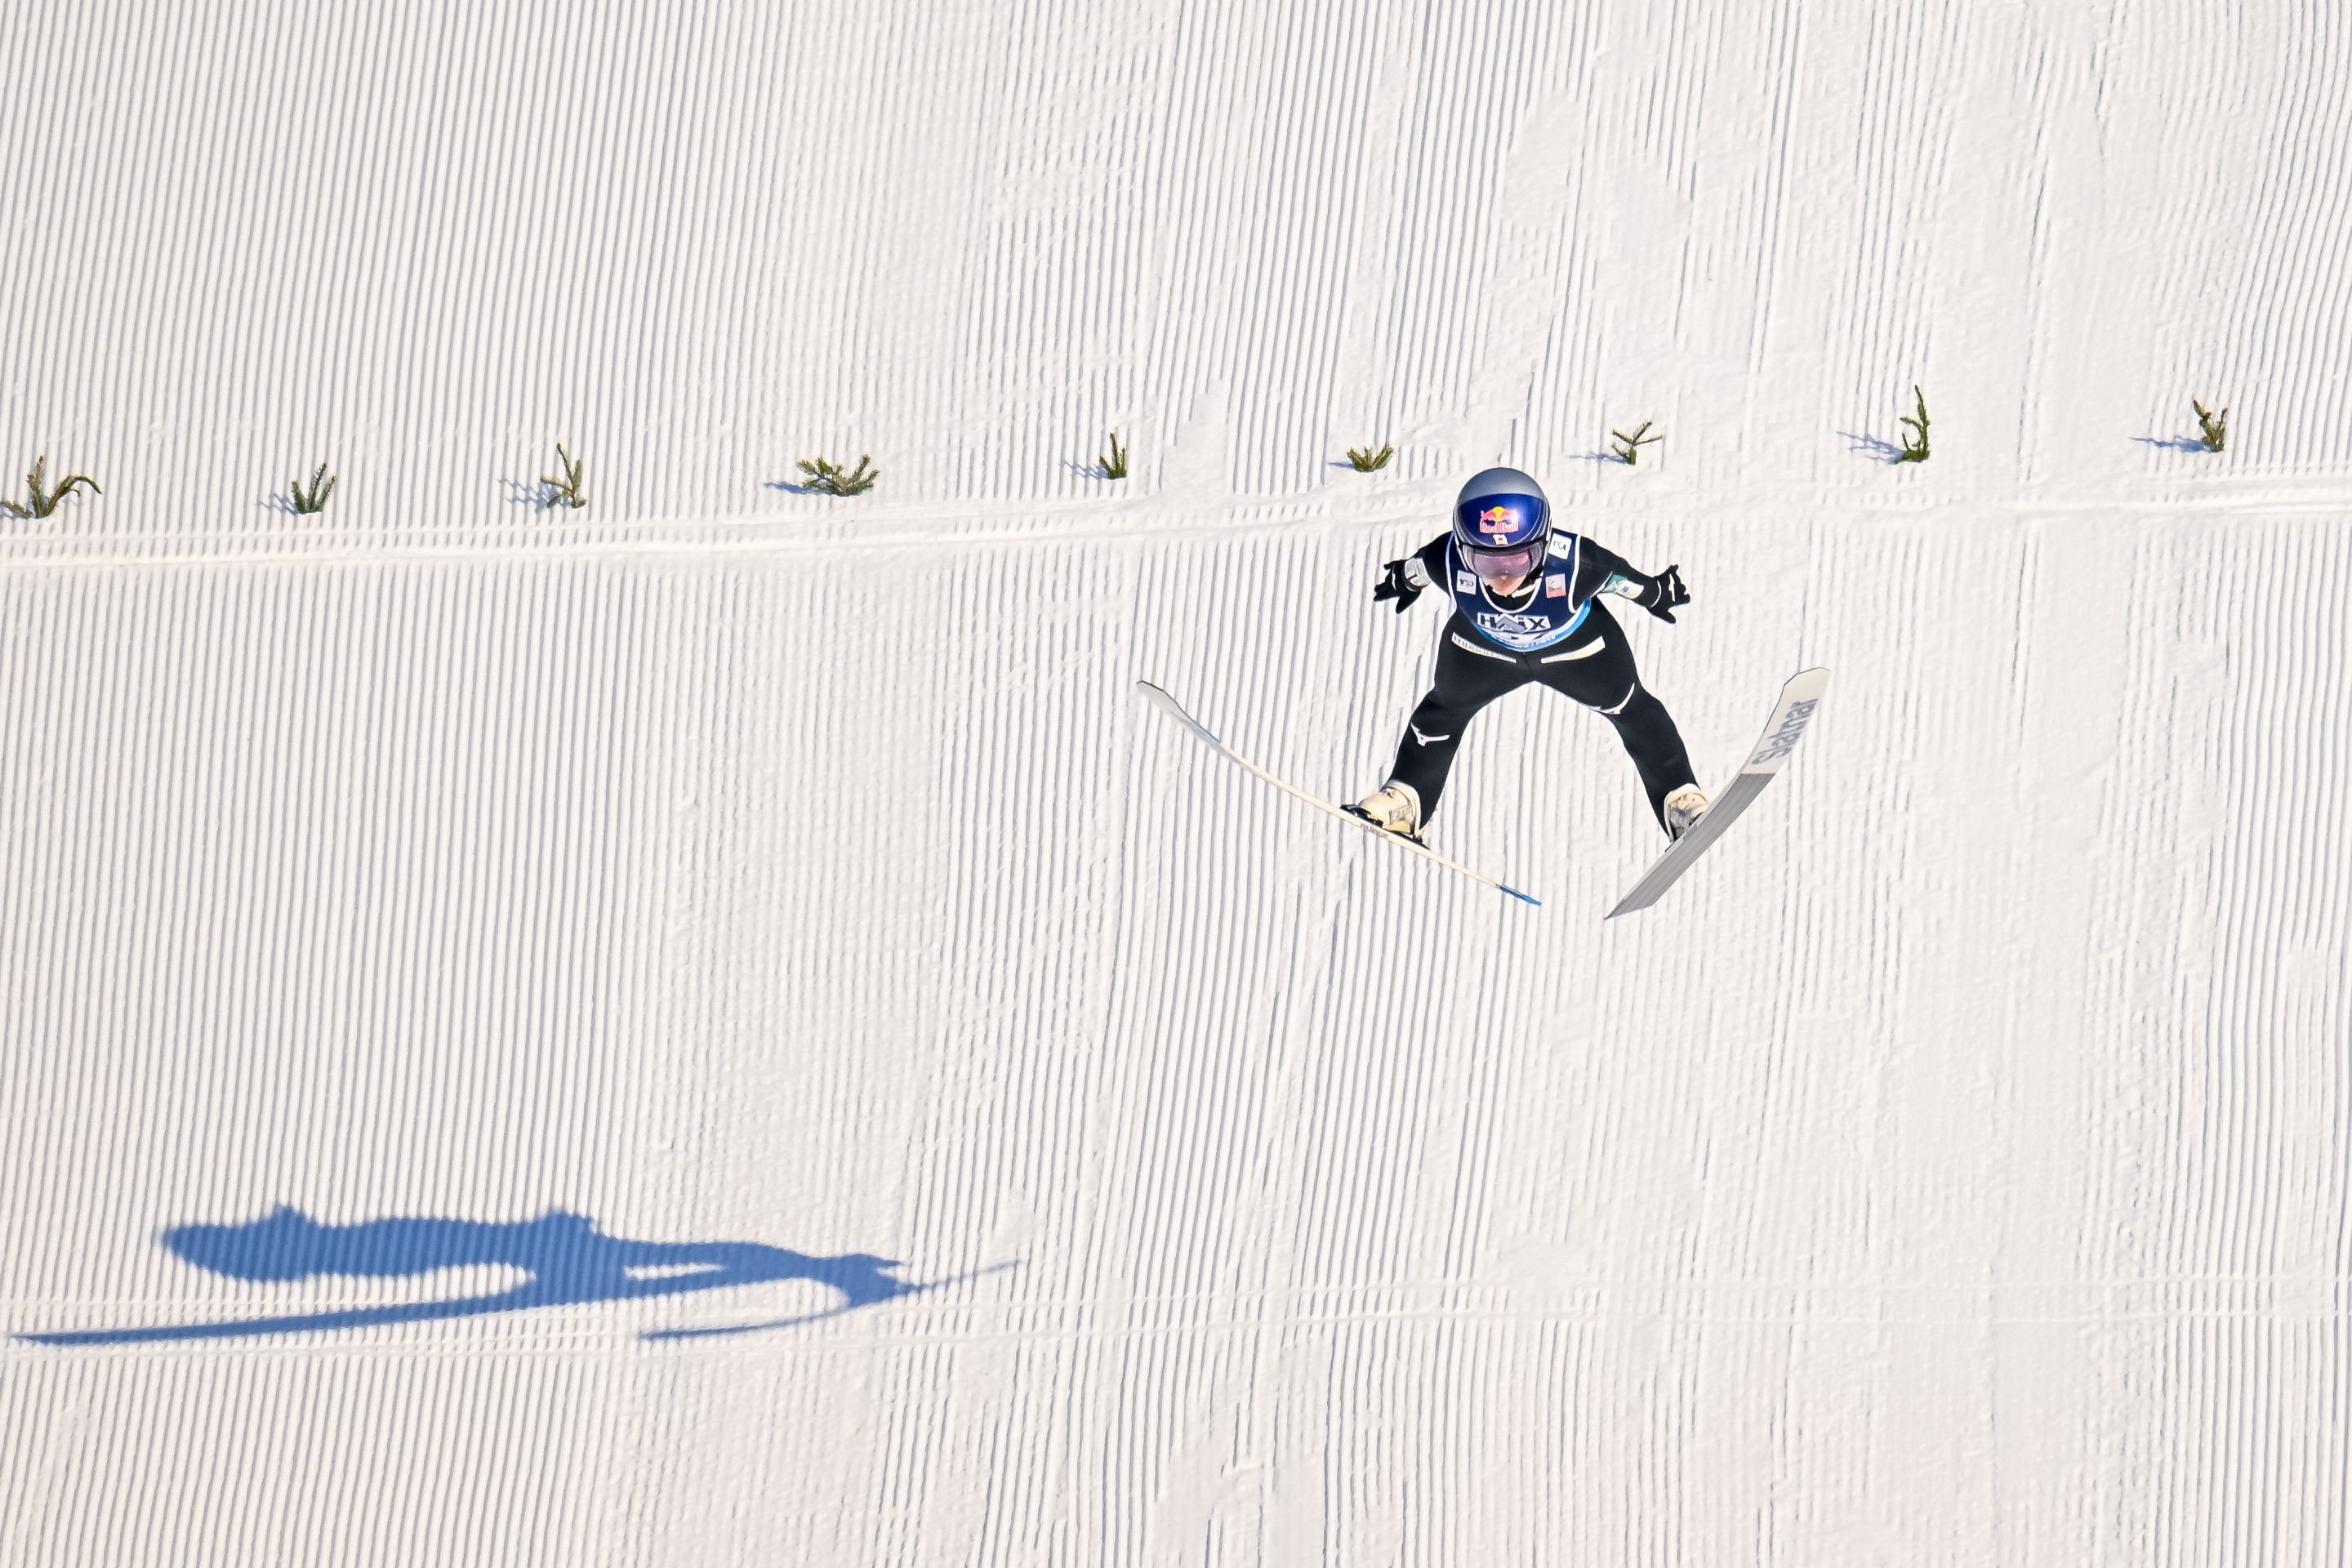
x: 1398, y: 587
x: 1668, y: 594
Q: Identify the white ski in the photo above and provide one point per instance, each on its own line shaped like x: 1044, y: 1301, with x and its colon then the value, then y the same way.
x: 1798, y: 699
x: 1156, y: 695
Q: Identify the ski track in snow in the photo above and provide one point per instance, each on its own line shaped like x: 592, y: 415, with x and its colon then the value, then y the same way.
x: 1951, y: 1170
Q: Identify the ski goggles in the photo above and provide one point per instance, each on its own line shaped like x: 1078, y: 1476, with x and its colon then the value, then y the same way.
x: 1510, y: 561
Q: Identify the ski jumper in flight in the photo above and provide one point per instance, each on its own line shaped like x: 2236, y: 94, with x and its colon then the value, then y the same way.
x: 1527, y: 608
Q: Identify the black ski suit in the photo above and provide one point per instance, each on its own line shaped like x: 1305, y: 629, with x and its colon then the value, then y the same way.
x: 1591, y: 666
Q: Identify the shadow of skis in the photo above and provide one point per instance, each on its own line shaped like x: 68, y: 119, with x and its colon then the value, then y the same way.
x: 912, y: 1289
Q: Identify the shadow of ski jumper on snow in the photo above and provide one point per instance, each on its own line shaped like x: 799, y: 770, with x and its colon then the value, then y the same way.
x: 570, y: 1262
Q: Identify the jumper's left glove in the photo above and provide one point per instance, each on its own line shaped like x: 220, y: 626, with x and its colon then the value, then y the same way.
x: 1666, y: 595
x: 1398, y: 587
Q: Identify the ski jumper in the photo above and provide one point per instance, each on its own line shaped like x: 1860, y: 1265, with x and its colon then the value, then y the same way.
x: 1555, y: 631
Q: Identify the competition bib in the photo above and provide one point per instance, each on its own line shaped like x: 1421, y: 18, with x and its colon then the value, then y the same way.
x: 1550, y: 615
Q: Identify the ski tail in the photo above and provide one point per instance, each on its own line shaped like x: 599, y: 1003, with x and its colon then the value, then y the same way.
x: 1159, y: 699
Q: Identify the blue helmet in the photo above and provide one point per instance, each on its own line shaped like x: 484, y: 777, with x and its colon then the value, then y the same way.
x: 1502, y: 523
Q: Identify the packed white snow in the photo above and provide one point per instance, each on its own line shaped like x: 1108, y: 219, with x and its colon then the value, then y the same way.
x: 483, y: 949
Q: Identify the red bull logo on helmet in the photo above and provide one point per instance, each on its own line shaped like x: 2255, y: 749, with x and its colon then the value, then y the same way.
x: 1499, y: 521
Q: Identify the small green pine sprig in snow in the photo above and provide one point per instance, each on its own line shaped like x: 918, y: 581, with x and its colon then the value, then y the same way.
x: 565, y: 492
x: 1915, y: 445
x: 826, y: 477
x: 44, y: 499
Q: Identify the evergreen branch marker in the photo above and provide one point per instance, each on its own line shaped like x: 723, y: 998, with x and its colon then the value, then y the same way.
x: 2212, y: 428
x: 1115, y: 466
x: 565, y: 492
x: 1631, y: 450
x: 315, y: 498
x: 1364, y: 461
x: 829, y: 478
x: 1915, y: 446
x: 44, y: 499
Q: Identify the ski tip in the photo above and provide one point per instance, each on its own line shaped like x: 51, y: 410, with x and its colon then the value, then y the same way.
x: 1523, y: 898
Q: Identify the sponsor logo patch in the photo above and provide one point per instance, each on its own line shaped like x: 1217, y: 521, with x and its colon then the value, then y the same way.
x: 1495, y: 519
x: 1467, y: 582
x: 1514, y: 625
x: 1783, y: 739
x: 1555, y: 585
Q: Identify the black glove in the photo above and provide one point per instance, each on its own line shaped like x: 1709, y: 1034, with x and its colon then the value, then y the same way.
x: 1397, y: 586
x: 1670, y: 593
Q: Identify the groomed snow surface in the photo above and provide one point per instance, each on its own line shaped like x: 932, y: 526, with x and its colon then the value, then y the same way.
x: 713, y: 1029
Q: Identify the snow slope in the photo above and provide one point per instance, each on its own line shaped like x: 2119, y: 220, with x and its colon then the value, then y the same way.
x: 1953, y: 1170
